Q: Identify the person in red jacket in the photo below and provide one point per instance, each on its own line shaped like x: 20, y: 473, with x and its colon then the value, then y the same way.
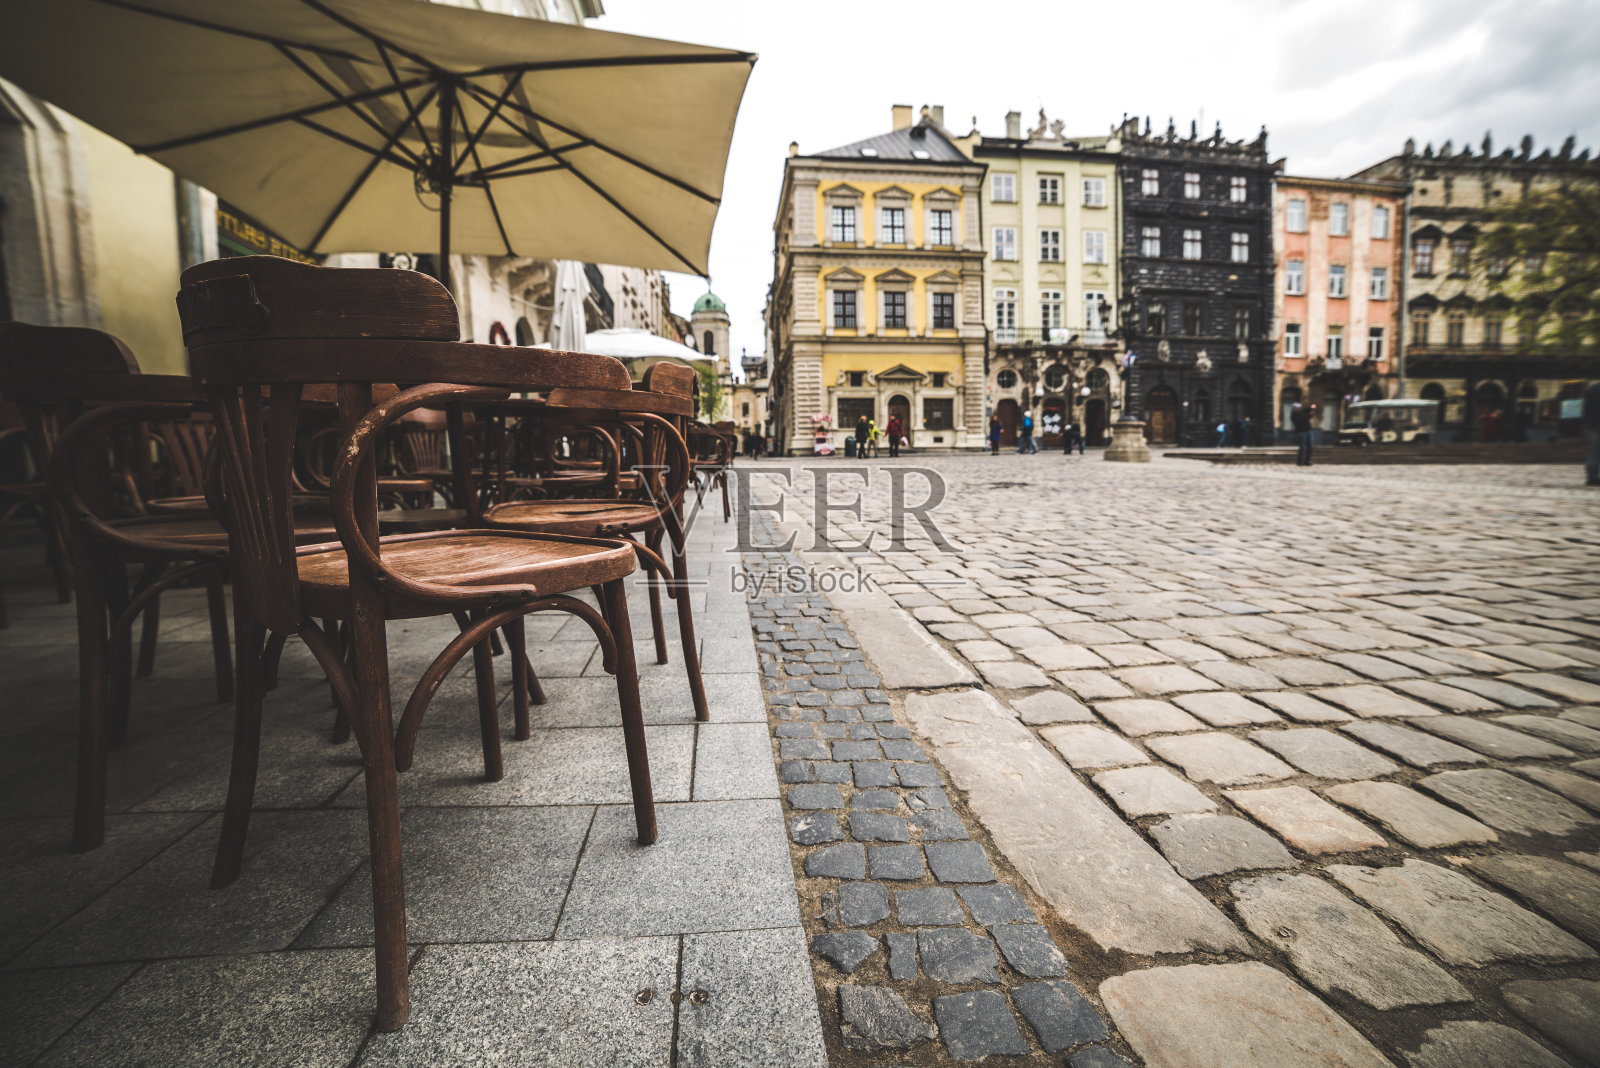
x: 896, y: 432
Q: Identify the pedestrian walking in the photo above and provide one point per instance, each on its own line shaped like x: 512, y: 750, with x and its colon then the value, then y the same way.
x: 1222, y: 433
x: 863, y: 429
x: 1591, y: 430
x: 1300, y: 420
x: 1027, y: 444
x: 995, y: 430
x: 1245, y: 432
x: 896, y: 432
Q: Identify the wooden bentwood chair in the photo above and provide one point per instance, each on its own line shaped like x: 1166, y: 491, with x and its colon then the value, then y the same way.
x: 261, y: 329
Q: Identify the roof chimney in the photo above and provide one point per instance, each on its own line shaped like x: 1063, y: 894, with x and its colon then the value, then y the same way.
x: 1014, y: 125
x: 794, y: 148
x: 936, y: 113
x: 902, y: 116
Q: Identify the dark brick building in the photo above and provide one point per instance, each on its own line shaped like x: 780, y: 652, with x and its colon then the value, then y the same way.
x: 1195, y: 306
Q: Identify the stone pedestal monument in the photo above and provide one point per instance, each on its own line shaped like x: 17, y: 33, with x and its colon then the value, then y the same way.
x: 1127, y: 442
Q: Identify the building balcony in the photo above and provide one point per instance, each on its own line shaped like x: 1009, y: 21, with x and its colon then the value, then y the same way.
x: 1056, y: 336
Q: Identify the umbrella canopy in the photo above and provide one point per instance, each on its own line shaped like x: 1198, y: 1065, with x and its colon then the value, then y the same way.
x: 567, y: 325
x: 366, y: 125
x: 628, y: 343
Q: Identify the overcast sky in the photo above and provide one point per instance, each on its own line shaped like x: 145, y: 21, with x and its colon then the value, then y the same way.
x: 1339, y: 84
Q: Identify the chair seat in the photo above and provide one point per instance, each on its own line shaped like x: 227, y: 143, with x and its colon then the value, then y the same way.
x: 549, y: 564
x: 205, y: 532
x: 589, y: 518
x: 412, y: 520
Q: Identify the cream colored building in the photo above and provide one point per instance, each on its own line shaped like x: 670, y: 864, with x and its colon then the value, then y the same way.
x: 1051, y: 236
x: 876, y: 305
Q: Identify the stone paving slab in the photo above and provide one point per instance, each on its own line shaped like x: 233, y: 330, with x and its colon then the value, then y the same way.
x: 1220, y: 758
x: 1567, y: 1011
x: 1506, y: 802
x: 1203, y: 845
x: 1149, y: 791
x: 1492, y: 740
x: 1568, y: 894
x: 1085, y: 746
x: 1305, y: 821
x: 1322, y: 753
x: 1475, y: 1042
x: 1411, y: 816
x: 1416, y: 748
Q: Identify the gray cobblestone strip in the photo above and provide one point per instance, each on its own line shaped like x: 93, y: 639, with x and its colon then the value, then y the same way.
x: 918, y: 940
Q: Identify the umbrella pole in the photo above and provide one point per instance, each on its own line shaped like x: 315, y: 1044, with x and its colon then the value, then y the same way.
x: 447, y: 99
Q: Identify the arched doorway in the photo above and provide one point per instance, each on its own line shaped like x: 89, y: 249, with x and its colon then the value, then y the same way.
x: 1162, y: 408
x: 1010, y: 420
x: 1489, y: 400
x: 1052, y: 419
x: 1094, y: 421
x: 524, y: 331
x: 900, y: 406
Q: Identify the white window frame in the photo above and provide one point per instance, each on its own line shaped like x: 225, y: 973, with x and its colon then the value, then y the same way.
x: 949, y: 230
x: 1191, y: 185
x: 1005, y: 243
x: 886, y: 228
x: 833, y: 307
x: 955, y: 308
x: 839, y: 213
x: 884, y: 292
x: 1239, y: 190
x: 1194, y: 244
x: 1050, y: 314
x: 1094, y: 192
x: 1379, y: 283
x: 1149, y: 182
x: 1003, y: 187
x: 1049, y: 245
x: 1339, y: 219
x: 1380, y: 221
x: 1094, y: 324
x: 1375, y: 343
x: 1293, y: 339
x: 1335, y: 342
x: 1049, y: 189
x: 1094, y: 246
x: 1004, y: 304
x: 1338, y: 277
x: 1294, y: 277
x: 1239, y: 247
x: 1150, y: 241
x: 1294, y: 216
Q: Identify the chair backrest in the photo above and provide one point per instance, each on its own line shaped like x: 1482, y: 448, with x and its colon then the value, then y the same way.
x: 259, y: 329
x: 671, y: 378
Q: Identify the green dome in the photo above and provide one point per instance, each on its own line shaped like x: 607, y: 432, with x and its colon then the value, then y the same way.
x: 710, y: 302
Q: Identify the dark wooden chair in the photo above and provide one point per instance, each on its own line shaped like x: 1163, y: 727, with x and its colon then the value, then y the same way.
x: 261, y: 329
x: 23, y: 491
x: 648, y: 420
x: 713, y: 447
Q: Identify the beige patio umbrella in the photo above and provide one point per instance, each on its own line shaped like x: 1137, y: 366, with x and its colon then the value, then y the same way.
x: 369, y: 125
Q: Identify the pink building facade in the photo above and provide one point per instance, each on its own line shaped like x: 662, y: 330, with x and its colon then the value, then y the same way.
x: 1338, y: 248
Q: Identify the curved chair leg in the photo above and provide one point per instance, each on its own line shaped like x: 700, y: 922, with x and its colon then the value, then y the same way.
x: 655, y: 579
x: 271, y: 657
x: 119, y: 651
x: 644, y: 805
x: 691, y: 655
x: 249, y: 637
x: 727, y: 508
x: 89, y: 807
x: 150, y: 629
x: 219, y: 634
x: 516, y: 639
x: 340, y: 636
x: 488, y: 715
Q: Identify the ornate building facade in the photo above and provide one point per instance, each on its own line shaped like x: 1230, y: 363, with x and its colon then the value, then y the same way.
x: 1337, y: 292
x: 1474, y: 338
x: 1050, y: 211
x: 1195, y: 304
x: 876, y: 305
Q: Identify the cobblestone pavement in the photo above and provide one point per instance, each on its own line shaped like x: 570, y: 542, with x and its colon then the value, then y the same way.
x: 1298, y: 767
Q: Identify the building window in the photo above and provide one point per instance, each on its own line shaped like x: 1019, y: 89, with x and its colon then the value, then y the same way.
x: 1497, y: 267
x: 938, y: 379
x: 892, y: 227
x: 1336, y: 280
x: 1295, y: 218
x: 1241, y: 322
x: 1339, y: 220
x: 944, y: 311
x: 1150, y: 241
x: 1294, y: 277
x: 1422, y: 257
x: 1005, y: 242
x: 1191, y: 320
x: 1380, y: 222
x: 1155, y: 318
x: 1049, y: 189
x: 708, y: 344
x: 1241, y: 247
x: 1050, y: 246
x: 1374, y: 343
x: 1191, y: 185
x: 1491, y: 331
x: 1055, y: 378
x: 1094, y: 315
x: 1193, y: 244
x: 1050, y: 310
x: 894, y: 309
x: 858, y: 379
x: 1094, y: 192
x: 1291, y: 339
x: 938, y: 413
x: 1455, y: 329
x: 746, y: 411
x: 1005, y: 314
x: 1528, y: 329
x: 1380, y: 283
x: 1094, y: 246
x: 1006, y: 379
x: 1335, y: 343
x: 844, y: 307
x: 941, y: 228
x: 1460, y: 258
x: 844, y: 225
x: 1533, y: 266
x: 1420, y: 322
x: 1238, y: 190
x: 1003, y: 188
x: 854, y: 408
x: 1150, y: 182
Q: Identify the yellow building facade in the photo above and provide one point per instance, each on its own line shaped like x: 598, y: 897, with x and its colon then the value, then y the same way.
x: 876, y: 304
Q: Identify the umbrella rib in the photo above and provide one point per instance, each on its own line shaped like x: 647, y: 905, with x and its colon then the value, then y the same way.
x: 496, y: 170
x: 615, y: 203
x: 476, y: 136
x: 615, y: 61
x: 494, y: 208
x: 530, y: 113
x: 270, y: 120
x: 355, y: 27
x: 416, y: 121
x: 385, y: 156
x: 189, y: 20
x: 372, y: 165
x: 360, y: 113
